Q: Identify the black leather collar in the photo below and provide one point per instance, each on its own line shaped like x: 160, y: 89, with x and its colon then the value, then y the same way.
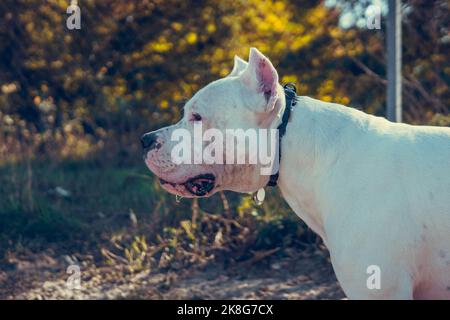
x: 290, y: 92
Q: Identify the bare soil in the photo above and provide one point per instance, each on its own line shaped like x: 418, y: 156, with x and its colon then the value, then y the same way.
x: 290, y: 275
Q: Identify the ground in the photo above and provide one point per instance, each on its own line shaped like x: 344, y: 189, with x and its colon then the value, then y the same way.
x: 144, y: 244
x: 293, y: 275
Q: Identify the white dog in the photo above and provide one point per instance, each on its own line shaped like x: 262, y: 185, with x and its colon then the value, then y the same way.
x: 377, y: 192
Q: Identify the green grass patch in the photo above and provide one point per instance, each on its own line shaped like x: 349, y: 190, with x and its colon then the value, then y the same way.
x: 69, y: 200
x: 77, y: 205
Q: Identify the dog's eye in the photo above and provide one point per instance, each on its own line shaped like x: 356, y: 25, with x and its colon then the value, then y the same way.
x: 195, y: 117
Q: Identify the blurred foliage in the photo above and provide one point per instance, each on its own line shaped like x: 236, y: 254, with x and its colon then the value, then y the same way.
x: 74, y: 103
x: 134, y: 63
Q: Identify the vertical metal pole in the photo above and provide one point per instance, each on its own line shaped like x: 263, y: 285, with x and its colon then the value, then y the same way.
x: 394, y: 61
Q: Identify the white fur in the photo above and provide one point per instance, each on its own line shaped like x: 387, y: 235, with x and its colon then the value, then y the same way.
x: 377, y: 192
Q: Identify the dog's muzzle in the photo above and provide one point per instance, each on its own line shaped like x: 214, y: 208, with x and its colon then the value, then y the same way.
x: 149, y: 141
x: 198, y: 186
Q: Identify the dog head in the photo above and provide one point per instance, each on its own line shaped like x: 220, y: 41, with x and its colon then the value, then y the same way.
x: 250, y: 97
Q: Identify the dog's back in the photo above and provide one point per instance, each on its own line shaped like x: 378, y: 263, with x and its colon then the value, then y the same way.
x: 383, y: 190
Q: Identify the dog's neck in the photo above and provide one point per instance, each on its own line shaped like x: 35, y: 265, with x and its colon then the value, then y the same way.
x: 311, y: 145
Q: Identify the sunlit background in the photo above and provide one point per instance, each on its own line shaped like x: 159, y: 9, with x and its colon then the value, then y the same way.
x: 73, y: 104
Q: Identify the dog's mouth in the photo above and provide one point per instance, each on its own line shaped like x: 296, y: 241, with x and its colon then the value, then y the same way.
x: 198, y: 186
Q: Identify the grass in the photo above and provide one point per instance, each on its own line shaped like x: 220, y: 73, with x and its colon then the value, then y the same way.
x: 121, y: 213
x: 31, y: 208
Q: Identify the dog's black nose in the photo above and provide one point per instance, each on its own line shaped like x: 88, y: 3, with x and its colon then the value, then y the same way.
x: 149, y: 141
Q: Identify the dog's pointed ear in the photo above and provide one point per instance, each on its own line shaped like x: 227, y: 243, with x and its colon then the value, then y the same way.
x: 239, y: 66
x: 260, y: 75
